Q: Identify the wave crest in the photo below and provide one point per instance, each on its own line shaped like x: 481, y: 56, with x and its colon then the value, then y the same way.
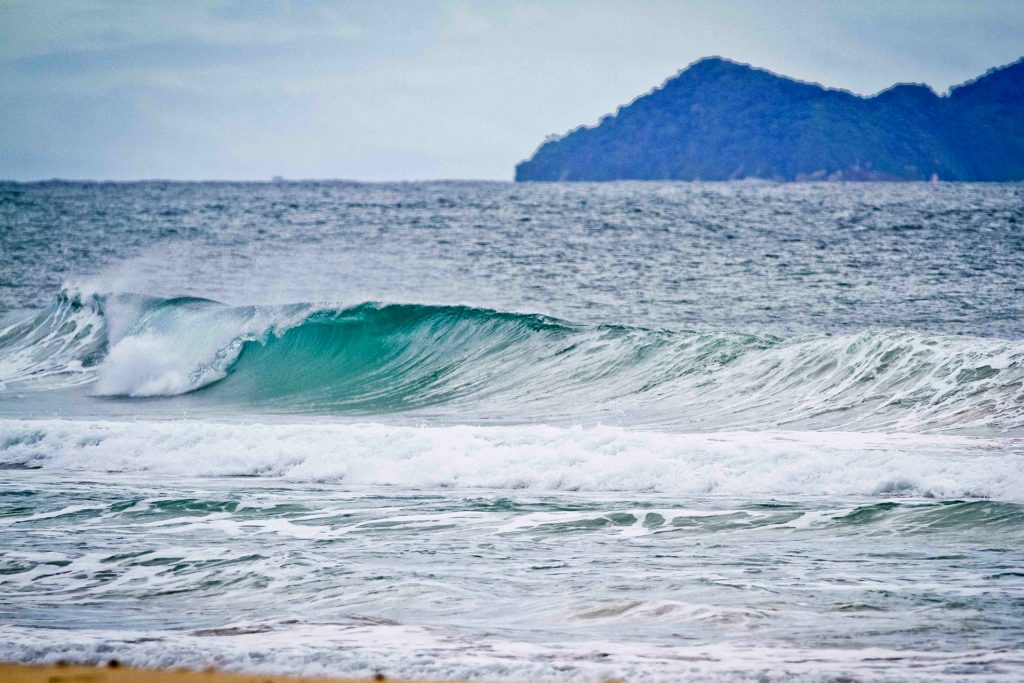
x: 486, y: 365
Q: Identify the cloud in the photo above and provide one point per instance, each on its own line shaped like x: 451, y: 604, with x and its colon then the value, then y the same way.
x: 179, y: 53
x: 306, y: 88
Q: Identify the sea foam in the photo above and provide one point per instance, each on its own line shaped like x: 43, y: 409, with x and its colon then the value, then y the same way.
x: 599, y: 458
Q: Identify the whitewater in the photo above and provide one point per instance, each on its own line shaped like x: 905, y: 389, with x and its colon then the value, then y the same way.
x: 658, y: 431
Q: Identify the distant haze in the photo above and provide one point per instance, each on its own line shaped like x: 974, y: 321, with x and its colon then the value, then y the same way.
x: 252, y: 89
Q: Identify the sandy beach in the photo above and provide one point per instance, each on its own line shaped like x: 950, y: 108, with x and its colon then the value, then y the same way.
x: 62, y: 673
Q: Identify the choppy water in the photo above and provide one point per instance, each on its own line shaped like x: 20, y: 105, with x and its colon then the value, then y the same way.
x: 653, y: 431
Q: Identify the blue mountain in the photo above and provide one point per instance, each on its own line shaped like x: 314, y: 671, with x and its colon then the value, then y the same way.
x: 720, y: 120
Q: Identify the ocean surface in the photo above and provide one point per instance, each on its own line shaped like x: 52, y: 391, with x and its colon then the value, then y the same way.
x: 678, y: 431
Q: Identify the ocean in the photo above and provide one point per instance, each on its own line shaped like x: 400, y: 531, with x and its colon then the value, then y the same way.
x: 644, y: 431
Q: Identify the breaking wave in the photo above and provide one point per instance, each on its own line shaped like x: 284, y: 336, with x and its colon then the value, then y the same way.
x: 487, y: 365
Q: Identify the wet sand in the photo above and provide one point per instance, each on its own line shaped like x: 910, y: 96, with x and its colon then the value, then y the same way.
x: 60, y: 673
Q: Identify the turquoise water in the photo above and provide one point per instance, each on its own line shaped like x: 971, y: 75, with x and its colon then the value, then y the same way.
x: 559, y: 432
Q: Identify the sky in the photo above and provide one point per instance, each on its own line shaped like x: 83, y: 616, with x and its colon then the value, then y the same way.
x: 412, y: 90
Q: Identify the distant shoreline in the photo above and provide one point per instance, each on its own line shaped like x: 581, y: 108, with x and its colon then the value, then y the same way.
x: 724, y: 120
x: 491, y: 181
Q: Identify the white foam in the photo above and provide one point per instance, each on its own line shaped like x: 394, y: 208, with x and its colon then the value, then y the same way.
x: 641, y: 518
x: 359, y: 647
x: 69, y: 510
x: 531, y: 457
x: 144, y: 366
x: 174, y: 350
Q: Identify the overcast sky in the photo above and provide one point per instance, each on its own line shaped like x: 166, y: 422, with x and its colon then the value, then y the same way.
x: 240, y: 89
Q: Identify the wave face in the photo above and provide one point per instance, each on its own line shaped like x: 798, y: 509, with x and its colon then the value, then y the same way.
x: 481, y: 364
